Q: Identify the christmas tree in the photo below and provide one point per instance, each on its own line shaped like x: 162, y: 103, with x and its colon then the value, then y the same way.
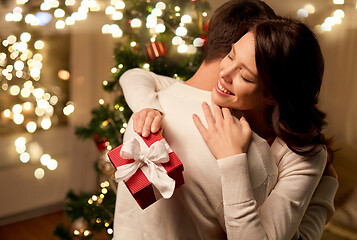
x: 166, y: 37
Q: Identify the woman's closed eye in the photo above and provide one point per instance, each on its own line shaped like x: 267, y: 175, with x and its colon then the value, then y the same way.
x: 247, y: 79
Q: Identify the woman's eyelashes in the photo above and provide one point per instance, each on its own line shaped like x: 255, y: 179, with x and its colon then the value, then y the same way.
x: 247, y: 79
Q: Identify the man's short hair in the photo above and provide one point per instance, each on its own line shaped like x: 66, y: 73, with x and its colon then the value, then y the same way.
x: 230, y: 22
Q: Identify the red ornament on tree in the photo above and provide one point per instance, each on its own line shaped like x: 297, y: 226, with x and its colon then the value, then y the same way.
x: 155, y: 50
x: 100, y: 142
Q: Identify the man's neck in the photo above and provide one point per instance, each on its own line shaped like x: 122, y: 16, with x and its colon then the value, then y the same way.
x: 206, y: 76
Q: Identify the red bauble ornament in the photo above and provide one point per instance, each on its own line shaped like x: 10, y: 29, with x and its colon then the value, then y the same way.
x: 155, y: 50
x: 100, y: 142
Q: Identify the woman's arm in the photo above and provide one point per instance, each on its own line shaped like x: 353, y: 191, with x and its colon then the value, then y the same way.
x: 140, y: 88
x: 280, y: 214
x: 320, y: 209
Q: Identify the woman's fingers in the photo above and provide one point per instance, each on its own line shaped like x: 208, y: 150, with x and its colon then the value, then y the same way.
x: 208, y: 115
x: 199, y: 126
x: 245, y: 125
x: 217, y: 114
x: 227, y: 114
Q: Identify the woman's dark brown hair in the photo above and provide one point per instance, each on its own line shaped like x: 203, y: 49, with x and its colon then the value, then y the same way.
x: 290, y: 65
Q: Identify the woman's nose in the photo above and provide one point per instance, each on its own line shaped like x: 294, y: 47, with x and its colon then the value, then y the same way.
x: 226, y: 75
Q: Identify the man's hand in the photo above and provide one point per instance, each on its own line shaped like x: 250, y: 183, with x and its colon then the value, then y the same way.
x: 146, y: 121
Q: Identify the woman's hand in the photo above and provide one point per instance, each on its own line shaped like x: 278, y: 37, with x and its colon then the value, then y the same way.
x: 224, y: 136
x: 146, y: 121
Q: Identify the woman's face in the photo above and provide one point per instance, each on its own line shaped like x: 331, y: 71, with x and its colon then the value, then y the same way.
x: 238, y: 86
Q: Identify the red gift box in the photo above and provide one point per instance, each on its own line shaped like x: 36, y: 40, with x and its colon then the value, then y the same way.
x: 144, y: 192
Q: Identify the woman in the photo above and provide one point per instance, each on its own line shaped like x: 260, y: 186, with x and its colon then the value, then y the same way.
x: 272, y: 75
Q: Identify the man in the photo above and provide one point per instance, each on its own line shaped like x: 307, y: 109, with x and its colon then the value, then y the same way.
x: 195, y: 211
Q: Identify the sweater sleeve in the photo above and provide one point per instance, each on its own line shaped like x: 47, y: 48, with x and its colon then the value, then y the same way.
x: 320, y: 209
x: 140, y: 88
x: 281, y: 213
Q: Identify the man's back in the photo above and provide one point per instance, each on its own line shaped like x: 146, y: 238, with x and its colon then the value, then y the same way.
x: 195, y: 211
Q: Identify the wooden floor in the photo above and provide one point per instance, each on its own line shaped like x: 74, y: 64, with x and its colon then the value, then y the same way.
x: 40, y: 228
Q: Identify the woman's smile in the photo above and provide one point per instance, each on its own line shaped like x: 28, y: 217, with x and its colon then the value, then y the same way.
x: 222, y: 89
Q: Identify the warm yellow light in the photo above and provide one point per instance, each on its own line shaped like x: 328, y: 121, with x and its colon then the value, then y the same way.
x: 25, y: 92
x: 135, y: 23
x: 160, y: 28
x: 39, y: 173
x: 339, y: 13
x: 198, y: 42
x: 17, y: 109
x: 38, y: 92
x: 20, y: 141
x: 53, y: 100
x: 46, y: 123
x: 338, y: 2
x: 60, y: 24
x: 25, y: 37
x: 109, y: 10
x: 117, y: 15
x: 7, y: 113
x: 181, y: 31
x: 157, y: 12
x: 18, y: 118
x: 24, y: 157
x: 119, y: 4
x: 63, y: 74
x: 31, y: 127
x: 160, y: 5
x: 14, y: 90
x: 302, y: 13
x: 19, y: 65
x: 101, y: 101
x: 39, y: 44
x: 27, y: 106
x: 70, y: 2
x: 52, y: 164
x: 39, y: 111
x: 186, y: 18
x: 182, y: 48
x: 177, y: 40
x: 45, y: 159
x: 309, y: 8
x: 59, y: 13
x: 86, y: 233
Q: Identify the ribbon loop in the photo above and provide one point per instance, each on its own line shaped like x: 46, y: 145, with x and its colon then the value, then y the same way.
x: 149, y: 159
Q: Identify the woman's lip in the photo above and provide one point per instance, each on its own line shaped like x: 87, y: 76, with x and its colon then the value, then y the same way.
x: 221, y: 89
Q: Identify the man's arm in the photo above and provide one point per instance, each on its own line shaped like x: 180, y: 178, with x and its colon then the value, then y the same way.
x: 140, y: 88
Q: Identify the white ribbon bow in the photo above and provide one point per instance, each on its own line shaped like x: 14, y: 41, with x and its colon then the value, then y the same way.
x: 149, y: 159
